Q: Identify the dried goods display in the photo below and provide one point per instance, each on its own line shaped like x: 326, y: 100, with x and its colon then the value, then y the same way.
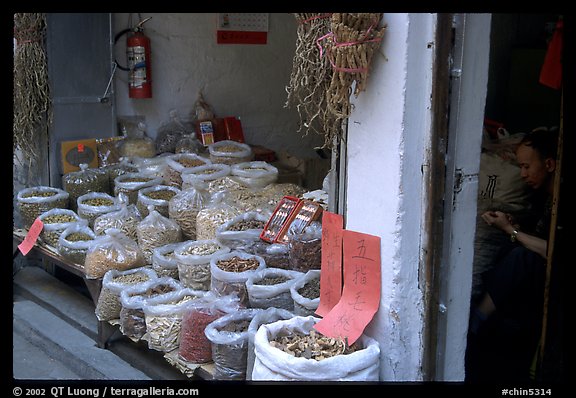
x: 55, y: 222
x: 193, y: 260
x: 184, y: 207
x: 182, y: 163
x: 131, y: 183
x: 158, y: 196
x: 109, y: 306
x: 86, y: 180
x: 113, y: 250
x: 164, y: 260
x: 229, y: 337
x: 242, y: 229
x: 313, y: 345
x: 230, y: 152
x: 188, y: 144
x: 270, y: 287
x: 34, y: 201
x: 280, y: 216
x: 230, y: 271
x: 108, y: 151
x: 171, y: 131
x: 207, y: 174
x: 225, y: 184
x: 305, y: 249
x: 254, y: 175
x: 213, y: 215
x: 156, y: 231
x: 126, y: 220
x: 152, y: 166
x: 94, y: 204
x: 305, y: 292
x: 74, y: 242
x: 307, y: 212
x: 118, y: 169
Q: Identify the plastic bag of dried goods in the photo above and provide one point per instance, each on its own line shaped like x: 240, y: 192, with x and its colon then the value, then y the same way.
x: 131, y: 183
x: 113, y: 250
x: 184, y: 207
x: 193, y: 258
x: 126, y: 219
x: 305, y: 248
x: 94, y: 204
x: 242, y: 229
x: 270, y: 287
x: 164, y: 318
x: 118, y: 169
x: 256, y: 174
x: 215, y: 213
x: 164, y: 261
x: 170, y: 132
x: 55, y: 222
x: 267, y: 316
x: 74, y: 242
x: 359, y: 362
x: 133, y: 299
x: 230, y: 152
x: 229, y: 337
x: 83, y: 181
x: 154, y: 231
x: 34, y: 201
x: 230, y: 271
x: 109, y: 306
x: 157, y: 196
x: 188, y: 143
x: 206, y: 174
x: 182, y: 163
x: 305, y: 292
x: 194, y: 345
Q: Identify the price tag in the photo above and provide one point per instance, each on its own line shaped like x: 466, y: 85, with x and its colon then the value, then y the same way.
x: 31, y: 237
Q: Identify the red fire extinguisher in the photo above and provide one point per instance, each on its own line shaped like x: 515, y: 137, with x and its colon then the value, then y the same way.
x: 139, y: 62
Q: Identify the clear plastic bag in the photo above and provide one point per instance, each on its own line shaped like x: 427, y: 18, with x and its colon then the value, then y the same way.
x: 206, y: 174
x: 114, y: 250
x: 55, y: 222
x: 75, y: 241
x: 170, y: 132
x: 230, y: 152
x: 157, y: 196
x: 126, y: 219
x: 270, y: 287
x: 254, y: 175
x: 94, y: 204
x: 216, y: 213
x: 109, y: 306
x: 194, y: 345
x: 34, y: 201
x: 164, y: 261
x: 182, y: 163
x: 184, y: 207
x: 229, y: 337
x: 242, y: 230
x: 86, y: 180
x: 305, y: 249
x: 118, y: 169
x: 137, y: 143
x: 155, y: 231
x: 304, y: 305
x: 193, y: 260
x: 189, y: 144
x: 131, y: 183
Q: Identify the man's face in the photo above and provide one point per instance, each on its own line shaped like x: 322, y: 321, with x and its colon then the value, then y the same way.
x: 533, y: 170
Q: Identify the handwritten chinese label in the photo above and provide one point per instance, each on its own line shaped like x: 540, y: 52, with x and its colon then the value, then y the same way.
x: 242, y: 28
x: 31, y: 237
x: 331, y: 274
x: 361, y: 294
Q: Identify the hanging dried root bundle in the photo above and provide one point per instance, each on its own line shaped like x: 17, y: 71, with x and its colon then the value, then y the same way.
x: 32, y: 107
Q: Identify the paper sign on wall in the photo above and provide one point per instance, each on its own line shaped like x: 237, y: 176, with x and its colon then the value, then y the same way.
x: 331, y: 269
x: 242, y: 28
x: 361, y: 294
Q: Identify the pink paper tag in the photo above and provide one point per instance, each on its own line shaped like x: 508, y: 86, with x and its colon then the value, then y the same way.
x: 31, y: 237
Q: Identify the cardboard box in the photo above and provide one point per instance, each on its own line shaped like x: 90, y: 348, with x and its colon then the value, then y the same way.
x: 77, y: 152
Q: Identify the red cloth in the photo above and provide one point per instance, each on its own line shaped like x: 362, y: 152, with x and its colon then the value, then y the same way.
x: 551, y: 72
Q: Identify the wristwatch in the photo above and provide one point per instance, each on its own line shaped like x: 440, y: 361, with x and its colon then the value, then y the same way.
x: 514, y: 236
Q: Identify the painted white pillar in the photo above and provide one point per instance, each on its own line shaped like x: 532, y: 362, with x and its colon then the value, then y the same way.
x: 388, y: 140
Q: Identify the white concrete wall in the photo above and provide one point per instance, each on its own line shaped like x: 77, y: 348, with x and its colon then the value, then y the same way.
x: 388, y: 140
x: 247, y: 81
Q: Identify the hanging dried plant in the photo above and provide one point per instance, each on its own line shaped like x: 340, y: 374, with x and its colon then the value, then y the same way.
x: 32, y: 106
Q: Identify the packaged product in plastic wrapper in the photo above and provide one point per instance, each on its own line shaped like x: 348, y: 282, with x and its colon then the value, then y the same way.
x: 274, y: 364
x: 83, y: 181
x: 55, y: 222
x: 184, y: 207
x: 130, y: 183
x: 109, y: 306
x: 164, y: 261
x: 154, y: 231
x: 216, y: 213
x: 305, y: 249
x: 74, y: 242
x: 243, y: 229
x: 126, y: 219
x: 94, y: 204
x: 137, y: 143
x: 270, y: 287
x: 171, y: 131
x: 133, y: 299
x: 157, y: 196
x: 194, y: 345
x: 113, y: 250
x: 230, y: 152
x: 193, y: 259
x: 305, y: 292
x: 229, y: 337
x: 256, y: 174
x: 263, y: 317
x: 164, y: 318
x: 36, y: 200
x: 182, y: 163
x: 230, y: 271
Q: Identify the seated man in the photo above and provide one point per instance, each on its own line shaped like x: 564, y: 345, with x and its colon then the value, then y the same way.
x: 505, y: 326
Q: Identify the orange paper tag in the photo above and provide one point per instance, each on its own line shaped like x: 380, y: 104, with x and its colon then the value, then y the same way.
x: 31, y: 237
x: 80, y: 148
x: 361, y: 294
x: 331, y: 274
